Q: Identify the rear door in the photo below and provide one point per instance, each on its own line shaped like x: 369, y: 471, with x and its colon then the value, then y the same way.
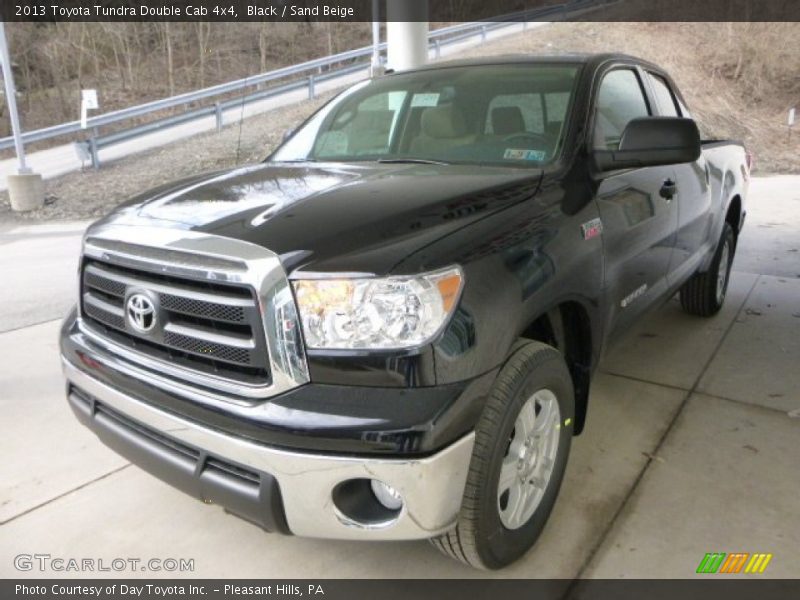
x: 638, y: 223
x: 693, y: 194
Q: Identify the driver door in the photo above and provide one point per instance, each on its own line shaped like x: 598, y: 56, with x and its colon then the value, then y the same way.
x: 639, y: 224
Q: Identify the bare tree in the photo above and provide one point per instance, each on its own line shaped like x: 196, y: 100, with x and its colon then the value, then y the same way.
x: 165, y: 32
x: 263, y: 47
x: 132, y: 62
x: 203, y: 30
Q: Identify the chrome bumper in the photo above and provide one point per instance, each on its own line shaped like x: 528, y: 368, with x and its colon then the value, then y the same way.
x: 431, y: 487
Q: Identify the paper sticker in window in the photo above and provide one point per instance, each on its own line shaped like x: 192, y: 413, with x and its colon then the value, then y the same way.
x: 424, y: 100
x: 517, y: 154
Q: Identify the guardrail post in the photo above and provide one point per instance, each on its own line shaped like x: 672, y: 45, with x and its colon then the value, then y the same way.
x: 310, y: 87
x: 93, y: 151
x: 218, y: 115
x: 483, y: 33
x: 437, y: 44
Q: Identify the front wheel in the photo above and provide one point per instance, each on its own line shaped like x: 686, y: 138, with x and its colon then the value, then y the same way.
x: 704, y: 294
x: 522, y: 442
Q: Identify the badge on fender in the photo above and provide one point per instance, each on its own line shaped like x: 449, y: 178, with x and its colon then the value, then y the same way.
x: 592, y: 229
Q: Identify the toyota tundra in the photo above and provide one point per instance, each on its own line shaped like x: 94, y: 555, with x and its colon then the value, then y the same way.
x: 387, y: 330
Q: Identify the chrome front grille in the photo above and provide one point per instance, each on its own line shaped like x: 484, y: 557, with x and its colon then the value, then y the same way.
x: 223, y: 351
x: 202, y: 308
x: 224, y: 323
x: 96, y: 310
x: 198, y: 324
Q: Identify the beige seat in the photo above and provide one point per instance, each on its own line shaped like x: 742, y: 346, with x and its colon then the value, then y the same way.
x: 442, y: 128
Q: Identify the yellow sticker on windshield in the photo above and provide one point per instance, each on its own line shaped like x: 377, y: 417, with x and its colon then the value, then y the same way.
x: 516, y: 154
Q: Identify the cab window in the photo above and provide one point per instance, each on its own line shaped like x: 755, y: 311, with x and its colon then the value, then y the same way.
x: 620, y: 99
x: 664, y: 96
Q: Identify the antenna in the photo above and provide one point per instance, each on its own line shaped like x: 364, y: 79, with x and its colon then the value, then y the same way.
x: 241, y: 119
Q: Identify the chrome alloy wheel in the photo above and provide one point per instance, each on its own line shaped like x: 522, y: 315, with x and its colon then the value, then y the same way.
x: 722, y: 271
x: 529, y: 459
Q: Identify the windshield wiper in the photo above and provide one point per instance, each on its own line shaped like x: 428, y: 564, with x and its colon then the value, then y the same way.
x: 418, y: 161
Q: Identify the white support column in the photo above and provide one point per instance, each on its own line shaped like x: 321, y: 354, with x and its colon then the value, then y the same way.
x: 25, y: 189
x: 375, y: 64
x: 406, y: 34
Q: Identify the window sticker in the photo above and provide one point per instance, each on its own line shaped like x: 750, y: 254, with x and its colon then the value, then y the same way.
x: 424, y: 100
x: 517, y: 154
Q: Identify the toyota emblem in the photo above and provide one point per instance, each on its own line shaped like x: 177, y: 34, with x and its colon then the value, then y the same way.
x: 141, y: 313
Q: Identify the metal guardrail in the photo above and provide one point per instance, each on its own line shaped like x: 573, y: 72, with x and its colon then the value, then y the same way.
x: 89, y: 149
x: 307, y: 74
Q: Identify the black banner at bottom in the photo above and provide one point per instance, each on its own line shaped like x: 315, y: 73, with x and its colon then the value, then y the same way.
x: 734, y: 588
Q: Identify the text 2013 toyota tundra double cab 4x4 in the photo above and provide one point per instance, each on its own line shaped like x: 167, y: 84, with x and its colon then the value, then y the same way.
x: 387, y: 330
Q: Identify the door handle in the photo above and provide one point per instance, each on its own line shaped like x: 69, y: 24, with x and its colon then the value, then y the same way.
x: 668, y: 189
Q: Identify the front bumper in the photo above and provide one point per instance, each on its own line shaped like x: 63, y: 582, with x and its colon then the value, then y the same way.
x: 306, y: 494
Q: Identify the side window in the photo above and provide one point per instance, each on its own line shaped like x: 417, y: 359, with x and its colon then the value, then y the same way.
x: 619, y: 100
x: 666, y: 101
x: 515, y: 113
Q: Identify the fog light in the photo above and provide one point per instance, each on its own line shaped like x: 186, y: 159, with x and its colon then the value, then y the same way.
x: 386, y: 495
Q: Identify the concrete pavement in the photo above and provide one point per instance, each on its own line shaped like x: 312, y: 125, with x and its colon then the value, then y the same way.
x: 39, y: 265
x: 689, y: 449
x: 725, y: 481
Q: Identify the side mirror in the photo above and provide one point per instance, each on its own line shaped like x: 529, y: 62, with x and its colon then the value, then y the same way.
x: 653, y: 141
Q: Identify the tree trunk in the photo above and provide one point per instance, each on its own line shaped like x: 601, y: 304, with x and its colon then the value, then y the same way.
x: 170, y: 66
x: 81, y: 39
x: 262, y: 46
x: 203, y: 35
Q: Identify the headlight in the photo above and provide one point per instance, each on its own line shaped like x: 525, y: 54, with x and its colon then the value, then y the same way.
x: 390, y: 312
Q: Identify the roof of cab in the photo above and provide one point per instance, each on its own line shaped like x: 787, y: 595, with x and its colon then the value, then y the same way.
x: 504, y: 59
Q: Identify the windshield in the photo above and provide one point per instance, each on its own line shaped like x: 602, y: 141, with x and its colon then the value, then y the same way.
x: 510, y: 115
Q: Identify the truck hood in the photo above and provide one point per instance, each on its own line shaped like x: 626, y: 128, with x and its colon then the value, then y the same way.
x: 364, y: 217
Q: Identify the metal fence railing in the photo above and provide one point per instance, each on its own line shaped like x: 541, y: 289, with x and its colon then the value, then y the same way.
x: 217, y: 100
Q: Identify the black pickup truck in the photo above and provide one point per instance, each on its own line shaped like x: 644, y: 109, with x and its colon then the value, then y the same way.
x: 387, y: 330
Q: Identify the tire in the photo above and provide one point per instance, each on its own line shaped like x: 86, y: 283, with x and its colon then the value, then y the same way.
x: 486, y: 536
x: 704, y: 294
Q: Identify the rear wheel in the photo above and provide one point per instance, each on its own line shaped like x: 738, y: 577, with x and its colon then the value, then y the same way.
x: 522, y: 442
x: 704, y: 294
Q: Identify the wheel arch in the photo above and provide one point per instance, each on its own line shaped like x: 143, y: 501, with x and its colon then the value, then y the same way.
x: 730, y: 211
x: 567, y: 327
x: 733, y: 215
